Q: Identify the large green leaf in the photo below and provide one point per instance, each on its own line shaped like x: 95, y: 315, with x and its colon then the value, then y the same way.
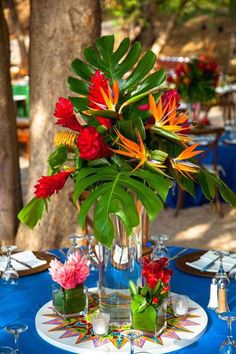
x: 116, y: 186
x: 129, y: 128
x: 79, y: 103
x: 32, y: 212
x: 77, y: 86
x: 82, y: 69
x: 58, y: 156
x: 150, y: 82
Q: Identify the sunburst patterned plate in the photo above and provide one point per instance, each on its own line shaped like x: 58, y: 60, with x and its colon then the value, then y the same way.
x: 76, y: 335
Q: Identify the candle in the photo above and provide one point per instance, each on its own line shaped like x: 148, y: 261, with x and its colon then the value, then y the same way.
x: 180, y: 305
x: 100, y: 323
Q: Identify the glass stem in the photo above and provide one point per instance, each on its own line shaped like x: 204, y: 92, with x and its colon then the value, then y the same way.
x: 230, y: 333
x: 8, y: 259
x: 131, y: 346
x: 16, y: 337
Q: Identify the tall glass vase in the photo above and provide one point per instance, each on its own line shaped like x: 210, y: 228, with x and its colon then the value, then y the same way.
x: 118, y: 265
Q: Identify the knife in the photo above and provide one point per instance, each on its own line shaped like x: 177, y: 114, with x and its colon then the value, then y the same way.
x: 209, y: 265
x: 178, y: 254
x: 22, y: 263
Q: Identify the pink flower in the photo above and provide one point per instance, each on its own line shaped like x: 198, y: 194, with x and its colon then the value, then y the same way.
x: 70, y: 274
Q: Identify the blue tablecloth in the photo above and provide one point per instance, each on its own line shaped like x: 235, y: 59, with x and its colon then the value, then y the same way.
x: 227, y: 163
x: 21, y: 303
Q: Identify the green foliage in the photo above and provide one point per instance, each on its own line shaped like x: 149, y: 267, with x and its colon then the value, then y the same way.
x: 32, y: 212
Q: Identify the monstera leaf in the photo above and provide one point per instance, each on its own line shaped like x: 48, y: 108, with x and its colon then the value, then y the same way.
x: 113, y: 196
x: 125, y: 60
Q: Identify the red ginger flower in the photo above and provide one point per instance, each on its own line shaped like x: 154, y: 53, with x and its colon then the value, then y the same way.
x: 48, y: 185
x: 65, y: 112
x: 96, y: 98
x: 153, y: 271
x: 91, y: 144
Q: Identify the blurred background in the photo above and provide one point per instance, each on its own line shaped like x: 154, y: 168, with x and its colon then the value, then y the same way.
x: 39, y: 40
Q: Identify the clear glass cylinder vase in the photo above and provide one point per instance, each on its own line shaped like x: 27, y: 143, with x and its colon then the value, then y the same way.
x: 117, y: 266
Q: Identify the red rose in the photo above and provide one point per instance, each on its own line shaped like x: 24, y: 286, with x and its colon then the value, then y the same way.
x: 153, y: 271
x: 65, y: 112
x: 91, y: 144
x: 48, y: 185
x: 155, y: 300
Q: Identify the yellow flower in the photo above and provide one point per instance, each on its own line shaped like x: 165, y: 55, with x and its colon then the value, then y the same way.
x: 66, y: 138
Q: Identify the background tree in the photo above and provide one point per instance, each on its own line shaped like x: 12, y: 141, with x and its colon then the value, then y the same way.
x: 59, y: 30
x: 10, y: 195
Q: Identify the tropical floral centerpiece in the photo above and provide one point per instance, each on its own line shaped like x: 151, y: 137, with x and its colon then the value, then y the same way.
x: 118, y: 151
x: 147, y: 300
x: 196, y: 80
x: 70, y: 298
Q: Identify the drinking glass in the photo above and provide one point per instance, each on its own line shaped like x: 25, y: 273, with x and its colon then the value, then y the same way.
x: 232, y: 273
x: 160, y: 250
x: 100, y: 323
x: 221, y: 276
x: 229, y: 344
x: 91, y: 256
x: 16, y: 329
x: 10, y: 274
x: 6, y: 350
x: 75, y: 248
x: 132, y: 335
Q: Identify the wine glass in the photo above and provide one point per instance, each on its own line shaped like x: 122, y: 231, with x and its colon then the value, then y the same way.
x: 132, y: 335
x: 6, y: 350
x: 221, y: 276
x: 229, y: 344
x: 16, y: 329
x: 75, y: 248
x: 160, y: 250
x: 232, y: 273
x: 91, y: 256
x: 10, y: 274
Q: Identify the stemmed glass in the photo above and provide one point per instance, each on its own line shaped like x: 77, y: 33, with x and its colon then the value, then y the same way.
x: 10, y: 274
x: 16, y: 330
x: 229, y: 344
x: 75, y: 248
x: 160, y: 250
x: 221, y: 276
x: 132, y: 335
x: 92, y: 258
x: 6, y: 350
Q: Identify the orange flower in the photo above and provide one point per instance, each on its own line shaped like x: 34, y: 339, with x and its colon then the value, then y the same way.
x: 167, y: 117
x: 132, y: 149
x: 111, y: 100
x: 184, y: 167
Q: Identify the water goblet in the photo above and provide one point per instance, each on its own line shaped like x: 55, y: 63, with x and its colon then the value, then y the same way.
x: 232, y: 273
x: 229, y: 344
x: 16, y: 329
x: 160, y: 250
x: 10, y: 274
x: 6, y: 350
x: 221, y: 276
x: 92, y: 258
x: 75, y: 248
x: 132, y: 335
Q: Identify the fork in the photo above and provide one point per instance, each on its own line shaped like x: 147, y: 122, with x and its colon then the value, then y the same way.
x: 179, y: 253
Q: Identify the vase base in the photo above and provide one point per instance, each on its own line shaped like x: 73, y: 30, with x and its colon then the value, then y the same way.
x: 67, y: 316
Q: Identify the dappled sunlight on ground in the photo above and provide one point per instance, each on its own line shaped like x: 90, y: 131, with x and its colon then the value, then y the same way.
x: 199, y: 227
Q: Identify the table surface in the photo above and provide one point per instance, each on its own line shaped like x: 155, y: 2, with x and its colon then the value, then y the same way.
x: 20, y: 304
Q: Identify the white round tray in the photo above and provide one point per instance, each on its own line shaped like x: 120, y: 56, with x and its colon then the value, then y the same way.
x: 77, y: 336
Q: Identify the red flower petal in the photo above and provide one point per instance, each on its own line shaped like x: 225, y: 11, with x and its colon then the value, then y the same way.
x: 48, y: 185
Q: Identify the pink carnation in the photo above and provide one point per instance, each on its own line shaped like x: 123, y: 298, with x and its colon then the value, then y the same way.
x: 70, y: 274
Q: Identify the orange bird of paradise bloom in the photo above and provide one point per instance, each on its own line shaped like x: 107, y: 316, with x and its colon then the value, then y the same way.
x: 167, y: 118
x: 186, y: 167
x: 132, y: 149
x: 111, y: 100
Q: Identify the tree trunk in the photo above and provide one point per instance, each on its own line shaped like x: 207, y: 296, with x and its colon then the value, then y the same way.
x: 59, y: 31
x: 10, y: 193
x: 163, y: 37
x: 18, y: 32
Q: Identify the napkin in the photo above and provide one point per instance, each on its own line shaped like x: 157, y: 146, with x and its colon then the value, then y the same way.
x: 206, y: 258
x: 27, y: 257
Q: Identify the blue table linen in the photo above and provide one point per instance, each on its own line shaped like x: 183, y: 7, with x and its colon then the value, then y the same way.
x: 21, y: 303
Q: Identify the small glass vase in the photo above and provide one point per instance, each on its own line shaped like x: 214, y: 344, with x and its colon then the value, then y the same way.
x: 69, y: 303
x: 151, y: 321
